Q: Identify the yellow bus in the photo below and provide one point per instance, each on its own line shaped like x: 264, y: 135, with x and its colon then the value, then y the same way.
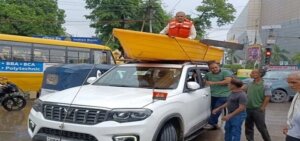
x: 24, y: 59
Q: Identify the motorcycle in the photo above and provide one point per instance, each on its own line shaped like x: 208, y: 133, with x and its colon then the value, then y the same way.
x: 11, y: 97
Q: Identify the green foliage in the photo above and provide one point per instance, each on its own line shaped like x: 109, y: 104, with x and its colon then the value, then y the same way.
x: 231, y: 57
x: 220, y: 10
x: 250, y: 65
x: 233, y: 67
x: 296, y: 58
x: 278, y: 55
x: 125, y: 14
x: 31, y: 17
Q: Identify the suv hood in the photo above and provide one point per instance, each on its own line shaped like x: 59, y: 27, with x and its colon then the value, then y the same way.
x: 103, y: 96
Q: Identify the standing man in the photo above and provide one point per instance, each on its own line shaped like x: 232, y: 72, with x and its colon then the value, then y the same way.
x: 180, y: 26
x: 259, y: 95
x: 292, y: 131
x: 218, y: 80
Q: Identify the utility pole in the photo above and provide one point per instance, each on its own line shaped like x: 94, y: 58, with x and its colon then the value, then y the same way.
x: 150, y: 16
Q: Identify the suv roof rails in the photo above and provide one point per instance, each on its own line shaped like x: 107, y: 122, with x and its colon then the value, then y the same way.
x: 196, y: 63
x: 170, y: 62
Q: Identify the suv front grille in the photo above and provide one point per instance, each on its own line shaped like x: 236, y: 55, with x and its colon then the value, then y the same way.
x: 77, y: 115
x: 67, y: 134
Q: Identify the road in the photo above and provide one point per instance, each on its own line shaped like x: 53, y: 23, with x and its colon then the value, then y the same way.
x: 13, y: 125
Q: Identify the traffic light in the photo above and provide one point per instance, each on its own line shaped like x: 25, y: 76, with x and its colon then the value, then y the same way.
x: 268, y: 55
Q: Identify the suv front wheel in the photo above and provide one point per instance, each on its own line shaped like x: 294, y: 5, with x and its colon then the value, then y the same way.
x: 168, y: 133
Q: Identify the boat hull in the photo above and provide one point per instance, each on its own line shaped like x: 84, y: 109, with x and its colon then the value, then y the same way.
x: 155, y: 47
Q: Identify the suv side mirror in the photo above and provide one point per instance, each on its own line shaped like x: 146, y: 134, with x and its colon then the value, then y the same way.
x: 91, y: 80
x: 99, y: 73
x: 193, y: 85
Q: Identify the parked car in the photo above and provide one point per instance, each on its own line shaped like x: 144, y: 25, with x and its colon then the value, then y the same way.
x: 130, y: 102
x: 64, y: 76
x: 281, y: 91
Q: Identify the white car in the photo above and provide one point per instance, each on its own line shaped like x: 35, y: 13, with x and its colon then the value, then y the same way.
x: 131, y: 102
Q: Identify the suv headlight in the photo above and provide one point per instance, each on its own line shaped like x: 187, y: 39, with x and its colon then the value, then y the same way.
x: 129, y: 115
x: 38, y: 105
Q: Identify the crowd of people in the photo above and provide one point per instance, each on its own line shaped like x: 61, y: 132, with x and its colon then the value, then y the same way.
x: 247, y: 102
x: 243, y: 102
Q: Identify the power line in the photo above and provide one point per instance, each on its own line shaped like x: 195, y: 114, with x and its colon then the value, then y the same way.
x: 172, y: 10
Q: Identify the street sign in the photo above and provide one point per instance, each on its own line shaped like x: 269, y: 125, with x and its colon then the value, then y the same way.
x: 286, y: 67
x: 271, y: 27
x: 15, y: 66
x: 254, y: 53
x: 271, y: 41
x: 89, y: 40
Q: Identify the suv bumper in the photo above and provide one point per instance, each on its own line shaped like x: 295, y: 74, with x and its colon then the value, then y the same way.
x: 105, y: 131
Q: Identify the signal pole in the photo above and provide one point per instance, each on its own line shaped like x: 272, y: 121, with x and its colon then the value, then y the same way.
x: 271, y: 40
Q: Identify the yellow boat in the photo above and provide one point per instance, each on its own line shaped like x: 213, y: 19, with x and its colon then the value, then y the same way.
x: 153, y: 47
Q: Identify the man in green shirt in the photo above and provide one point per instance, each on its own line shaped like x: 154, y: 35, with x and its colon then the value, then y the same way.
x: 218, y: 81
x: 259, y: 94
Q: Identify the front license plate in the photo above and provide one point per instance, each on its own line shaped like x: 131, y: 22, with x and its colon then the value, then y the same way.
x: 52, y: 139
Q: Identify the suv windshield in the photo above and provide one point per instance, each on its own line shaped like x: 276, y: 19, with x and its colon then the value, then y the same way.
x: 141, y: 77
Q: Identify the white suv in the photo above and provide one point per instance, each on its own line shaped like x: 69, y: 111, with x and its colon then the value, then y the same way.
x: 131, y: 102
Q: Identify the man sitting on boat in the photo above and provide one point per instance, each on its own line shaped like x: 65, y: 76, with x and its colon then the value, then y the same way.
x: 180, y: 26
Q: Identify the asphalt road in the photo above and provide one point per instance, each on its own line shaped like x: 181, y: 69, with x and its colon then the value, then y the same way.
x: 13, y: 125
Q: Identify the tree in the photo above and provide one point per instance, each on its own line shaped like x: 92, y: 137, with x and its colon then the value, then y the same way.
x: 219, y: 10
x: 125, y: 14
x: 159, y: 17
x: 31, y: 17
x: 278, y: 55
x: 296, y: 58
x: 231, y: 57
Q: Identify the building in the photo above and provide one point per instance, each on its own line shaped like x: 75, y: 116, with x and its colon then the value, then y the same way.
x: 268, y: 22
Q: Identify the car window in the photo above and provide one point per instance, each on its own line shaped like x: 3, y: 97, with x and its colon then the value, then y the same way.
x: 276, y: 74
x: 141, y: 77
x: 192, y: 76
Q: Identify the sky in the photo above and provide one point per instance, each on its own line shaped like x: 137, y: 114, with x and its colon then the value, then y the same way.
x: 77, y: 25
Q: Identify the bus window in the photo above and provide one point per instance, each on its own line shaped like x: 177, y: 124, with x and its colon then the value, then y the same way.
x: 41, y: 55
x: 21, y: 53
x: 57, y: 56
x: 100, y: 57
x: 72, y: 57
x: 111, y: 58
x: 78, y: 55
x: 84, y: 57
x: 4, y: 52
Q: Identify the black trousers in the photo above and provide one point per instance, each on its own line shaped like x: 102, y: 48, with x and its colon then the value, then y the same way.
x: 257, y: 117
x: 289, y: 138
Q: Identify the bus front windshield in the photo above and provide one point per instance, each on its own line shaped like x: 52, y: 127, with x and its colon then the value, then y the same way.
x: 141, y: 77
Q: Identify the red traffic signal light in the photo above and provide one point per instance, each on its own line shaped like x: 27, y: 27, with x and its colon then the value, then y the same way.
x: 268, y: 52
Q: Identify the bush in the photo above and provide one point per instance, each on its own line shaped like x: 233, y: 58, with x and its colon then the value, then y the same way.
x: 233, y: 67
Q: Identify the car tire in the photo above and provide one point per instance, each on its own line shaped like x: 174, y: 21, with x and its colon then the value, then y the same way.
x: 14, y: 103
x: 168, y: 133
x: 279, y: 96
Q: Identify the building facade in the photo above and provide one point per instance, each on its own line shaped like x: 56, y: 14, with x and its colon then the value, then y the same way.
x: 268, y: 23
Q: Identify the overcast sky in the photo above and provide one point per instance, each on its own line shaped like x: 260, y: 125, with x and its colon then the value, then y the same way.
x: 77, y: 25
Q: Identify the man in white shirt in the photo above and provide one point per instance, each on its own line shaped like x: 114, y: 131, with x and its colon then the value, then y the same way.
x: 292, y: 130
